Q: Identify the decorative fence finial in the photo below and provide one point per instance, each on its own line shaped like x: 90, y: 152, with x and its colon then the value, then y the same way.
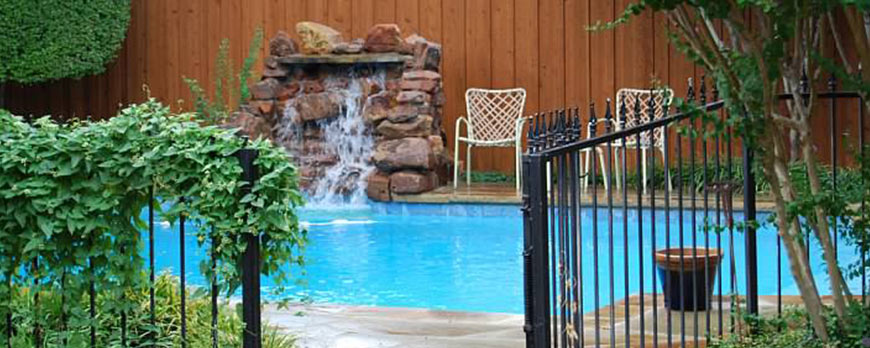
x: 702, y: 91
x: 577, y: 129
x: 622, y: 112
x: 608, y: 116
x: 690, y: 93
x: 593, y: 121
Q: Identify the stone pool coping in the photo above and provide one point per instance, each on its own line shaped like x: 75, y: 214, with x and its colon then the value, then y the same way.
x: 505, y: 193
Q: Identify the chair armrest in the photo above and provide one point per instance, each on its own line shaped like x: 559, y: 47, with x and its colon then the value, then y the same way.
x: 518, y: 126
x: 459, y: 122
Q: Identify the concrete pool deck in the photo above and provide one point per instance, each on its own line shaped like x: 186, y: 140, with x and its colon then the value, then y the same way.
x: 336, y: 326
x: 339, y: 326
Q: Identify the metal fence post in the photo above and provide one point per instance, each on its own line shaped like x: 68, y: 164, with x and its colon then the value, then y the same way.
x: 749, y: 233
x: 251, y: 337
x: 536, y: 244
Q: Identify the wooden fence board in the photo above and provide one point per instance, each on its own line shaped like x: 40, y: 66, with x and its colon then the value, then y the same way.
x: 541, y: 45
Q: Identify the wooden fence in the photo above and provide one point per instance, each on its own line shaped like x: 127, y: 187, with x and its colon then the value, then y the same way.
x: 541, y: 45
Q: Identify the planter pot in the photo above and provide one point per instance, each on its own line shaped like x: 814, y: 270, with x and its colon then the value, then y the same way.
x: 688, y: 284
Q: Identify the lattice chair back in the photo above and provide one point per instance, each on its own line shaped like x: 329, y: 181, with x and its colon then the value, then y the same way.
x: 492, y: 114
x: 662, y: 100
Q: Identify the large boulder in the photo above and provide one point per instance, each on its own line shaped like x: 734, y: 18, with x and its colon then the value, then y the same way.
x: 377, y: 107
x: 265, y: 89
x: 282, y: 45
x: 427, y: 55
x: 420, y: 80
x: 384, y: 38
x: 353, y: 47
x: 248, y: 124
x: 378, y: 187
x: 414, y: 97
x: 318, y: 106
x: 406, y: 153
x: 404, y: 113
x: 419, y: 126
x: 317, y: 38
x: 412, y: 182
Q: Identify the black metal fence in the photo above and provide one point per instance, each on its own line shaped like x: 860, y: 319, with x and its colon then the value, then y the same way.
x: 608, y: 265
x: 249, y: 268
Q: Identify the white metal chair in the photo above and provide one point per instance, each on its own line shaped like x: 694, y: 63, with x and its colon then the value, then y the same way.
x: 662, y: 99
x: 601, y: 159
x: 494, y: 119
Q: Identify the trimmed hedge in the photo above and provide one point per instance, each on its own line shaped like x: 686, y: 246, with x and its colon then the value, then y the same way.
x: 52, y: 39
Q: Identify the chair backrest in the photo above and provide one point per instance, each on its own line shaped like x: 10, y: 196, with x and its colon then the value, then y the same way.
x: 662, y: 98
x: 492, y: 113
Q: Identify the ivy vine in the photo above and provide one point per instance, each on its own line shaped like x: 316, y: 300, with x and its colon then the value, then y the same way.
x: 72, y: 197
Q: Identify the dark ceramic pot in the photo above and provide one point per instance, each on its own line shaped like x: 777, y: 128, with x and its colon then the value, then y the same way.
x: 687, y: 276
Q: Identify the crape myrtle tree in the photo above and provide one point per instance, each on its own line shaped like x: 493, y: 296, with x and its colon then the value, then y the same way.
x: 53, y: 39
x: 755, y: 50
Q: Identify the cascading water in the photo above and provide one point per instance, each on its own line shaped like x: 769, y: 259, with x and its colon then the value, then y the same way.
x: 347, y: 147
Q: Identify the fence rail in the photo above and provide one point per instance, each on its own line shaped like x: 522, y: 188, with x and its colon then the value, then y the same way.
x: 666, y: 267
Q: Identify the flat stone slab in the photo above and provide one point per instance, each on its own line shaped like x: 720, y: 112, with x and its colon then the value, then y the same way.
x: 322, y: 325
x: 338, y: 59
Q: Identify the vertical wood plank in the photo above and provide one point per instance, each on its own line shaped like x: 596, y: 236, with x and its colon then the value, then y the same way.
x: 341, y: 17
x: 527, y: 47
x: 503, y: 71
x: 115, y: 85
x: 275, y: 20
x: 363, y: 17
x: 661, y: 49
x: 632, y: 50
x: 317, y: 11
x: 191, y: 60
x: 213, y: 38
x: 577, y: 74
x: 478, y: 62
x: 385, y: 11
x: 453, y: 74
x: 172, y: 56
x: 156, y: 51
x: 430, y: 20
x: 57, y: 99
x: 408, y: 16
x: 137, y: 53
x: 294, y: 13
x: 601, y: 56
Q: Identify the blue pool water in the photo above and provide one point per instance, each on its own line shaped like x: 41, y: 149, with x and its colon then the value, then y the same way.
x: 469, y: 257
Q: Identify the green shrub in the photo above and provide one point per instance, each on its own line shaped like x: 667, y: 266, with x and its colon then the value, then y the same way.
x: 53, y: 39
x: 71, y: 197
x: 228, y: 88
x: 140, y: 332
x: 792, y: 330
x: 490, y: 177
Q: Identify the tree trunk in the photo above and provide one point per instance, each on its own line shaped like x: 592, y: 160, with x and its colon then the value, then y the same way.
x: 822, y: 230
x: 776, y: 172
x: 2, y: 95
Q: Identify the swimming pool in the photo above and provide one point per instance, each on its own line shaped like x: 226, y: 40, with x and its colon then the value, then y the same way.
x: 469, y: 257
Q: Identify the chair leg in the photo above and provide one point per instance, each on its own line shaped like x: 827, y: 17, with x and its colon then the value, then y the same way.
x: 456, y: 163
x: 518, y: 165
x: 618, y: 171
x: 468, y: 165
x: 643, y: 168
x: 667, y: 174
x: 603, y: 169
x: 585, y: 171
